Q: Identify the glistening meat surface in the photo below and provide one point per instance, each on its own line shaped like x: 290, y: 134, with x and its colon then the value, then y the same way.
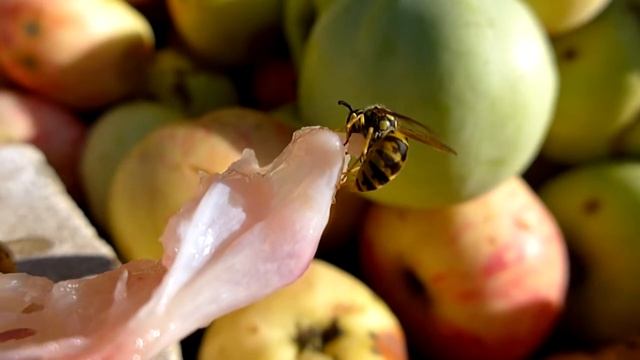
x: 251, y: 231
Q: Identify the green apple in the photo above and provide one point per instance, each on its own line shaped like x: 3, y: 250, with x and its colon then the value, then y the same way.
x: 482, y: 279
x: 224, y: 31
x: 597, y: 206
x: 562, y: 16
x: 299, y: 18
x: 83, y: 53
x: 480, y: 74
x: 162, y: 171
x: 599, y: 66
x: 55, y: 130
x: 110, y: 138
x: 174, y: 79
x: 325, y: 314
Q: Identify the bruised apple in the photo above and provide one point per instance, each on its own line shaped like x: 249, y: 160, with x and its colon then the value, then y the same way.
x: 56, y: 131
x: 483, y: 279
x: 325, y: 314
x: 247, y: 233
x: 163, y: 170
x: 83, y: 53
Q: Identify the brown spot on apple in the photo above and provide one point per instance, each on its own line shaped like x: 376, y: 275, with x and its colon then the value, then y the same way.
x: 315, y: 338
x: 591, y: 206
x: 569, y: 54
x: 415, y: 286
x: 28, y: 61
x: 31, y: 28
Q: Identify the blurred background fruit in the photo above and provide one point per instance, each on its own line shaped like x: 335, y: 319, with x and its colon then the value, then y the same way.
x: 597, y: 207
x: 226, y: 32
x: 55, y: 130
x: 174, y: 79
x: 561, y: 16
x: 487, y: 91
x: 599, y: 66
x: 298, y: 20
x: 483, y: 279
x: 111, y: 137
x: 83, y: 53
x: 326, y: 314
x: 163, y: 171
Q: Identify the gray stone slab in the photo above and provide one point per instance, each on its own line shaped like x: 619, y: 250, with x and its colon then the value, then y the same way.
x: 44, y: 229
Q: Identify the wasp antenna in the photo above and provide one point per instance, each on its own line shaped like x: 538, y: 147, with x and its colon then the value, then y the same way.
x: 345, y: 104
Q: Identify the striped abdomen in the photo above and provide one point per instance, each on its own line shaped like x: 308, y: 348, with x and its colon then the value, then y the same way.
x: 383, y: 161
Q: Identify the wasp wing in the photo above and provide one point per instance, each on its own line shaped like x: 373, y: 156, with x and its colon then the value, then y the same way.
x: 420, y: 132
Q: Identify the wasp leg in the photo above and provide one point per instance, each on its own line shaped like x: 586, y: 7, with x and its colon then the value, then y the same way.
x: 353, y: 120
x: 367, y: 142
x: 348, y: 177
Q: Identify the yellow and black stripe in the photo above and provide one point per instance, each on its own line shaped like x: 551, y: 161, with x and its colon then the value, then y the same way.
x: 383, y: 161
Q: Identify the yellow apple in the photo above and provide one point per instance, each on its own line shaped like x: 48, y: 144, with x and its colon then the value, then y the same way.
x: 325, y: 314
x: 561, y: 16
x: 161, y: 172
x: 224, y: 31
x: 483, y: 279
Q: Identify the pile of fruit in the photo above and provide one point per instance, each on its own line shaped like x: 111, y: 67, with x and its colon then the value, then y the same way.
x: 525, y: 244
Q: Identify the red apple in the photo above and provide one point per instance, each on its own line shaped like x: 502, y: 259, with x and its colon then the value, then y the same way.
x: 274, y: 83
x: 483, y: 279
x: 83, y: 53
x: 57, y: 132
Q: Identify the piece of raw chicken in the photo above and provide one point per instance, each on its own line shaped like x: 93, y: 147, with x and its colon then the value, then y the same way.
x: 251, y: 231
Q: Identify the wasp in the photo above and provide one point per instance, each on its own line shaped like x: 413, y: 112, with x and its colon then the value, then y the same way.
x: 386, y: 144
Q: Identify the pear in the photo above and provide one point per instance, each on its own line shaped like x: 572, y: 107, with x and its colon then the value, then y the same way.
x: 561, y: 16
x: 599, y: 66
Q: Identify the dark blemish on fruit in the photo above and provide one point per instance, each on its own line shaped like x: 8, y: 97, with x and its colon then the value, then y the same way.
x: 415, y: 286
x: 16, y: 334
x: 332, y: 332
x: 29, y: 62
x: 31, y: 28
x: 569, y: 54
x: 591, y: 206
x: 316, y: 338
